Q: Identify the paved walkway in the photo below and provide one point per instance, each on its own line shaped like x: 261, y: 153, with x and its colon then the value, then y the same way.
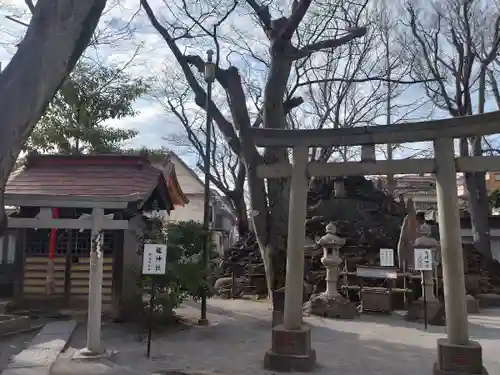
x: 42, y: 351
x: 13, y: 345
x: 240, y: 334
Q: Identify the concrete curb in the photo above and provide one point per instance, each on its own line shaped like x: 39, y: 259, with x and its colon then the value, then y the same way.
x: 25, y: 330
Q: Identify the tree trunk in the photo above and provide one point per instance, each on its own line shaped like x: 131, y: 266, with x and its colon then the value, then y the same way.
x: 241, y: 214
x: 278, y: 190
x: 58, y: 34
x: 479, y: 207
x: 475, y: 184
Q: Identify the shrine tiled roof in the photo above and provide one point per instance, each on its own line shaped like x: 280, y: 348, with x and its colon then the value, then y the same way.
x: 100, y: 176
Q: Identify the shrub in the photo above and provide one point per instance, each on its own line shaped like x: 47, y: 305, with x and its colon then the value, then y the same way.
x: 186, y: 275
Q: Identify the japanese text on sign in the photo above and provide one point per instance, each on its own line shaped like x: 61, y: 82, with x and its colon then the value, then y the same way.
x: 423, y: 259
x: 154, y: 261
x: 387, y: 257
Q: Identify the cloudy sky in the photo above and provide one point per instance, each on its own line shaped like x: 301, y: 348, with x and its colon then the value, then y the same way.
x: 153, y: 58
x: 153, y: 122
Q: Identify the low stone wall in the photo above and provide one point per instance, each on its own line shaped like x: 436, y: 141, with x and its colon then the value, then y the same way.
x: 488, y: 300
x: 10, y: 324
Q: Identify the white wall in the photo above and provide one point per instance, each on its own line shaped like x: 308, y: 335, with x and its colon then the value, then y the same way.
x: 194, y: 191
x: 188, y: 183
x: 191, y: 211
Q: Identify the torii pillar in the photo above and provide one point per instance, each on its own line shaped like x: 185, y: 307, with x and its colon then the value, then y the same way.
x: 291, y: 342
x: 457, y: 354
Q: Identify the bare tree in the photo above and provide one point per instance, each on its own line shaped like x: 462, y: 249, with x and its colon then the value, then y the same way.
x: 109, y: 31
x: 263, y: 77
x: 227, y: 172
x: 356, y: 85
x: 56, y: 37
x: 456, y: 42
x: 269, y: 203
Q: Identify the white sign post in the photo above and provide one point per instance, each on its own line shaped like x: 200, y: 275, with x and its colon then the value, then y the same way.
x: 423, y: 259
x: 154, y: 262
x: 387, y: 257
x: 423, y: 262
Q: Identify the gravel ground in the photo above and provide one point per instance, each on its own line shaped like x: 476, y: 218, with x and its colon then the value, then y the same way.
x: 240, y: 334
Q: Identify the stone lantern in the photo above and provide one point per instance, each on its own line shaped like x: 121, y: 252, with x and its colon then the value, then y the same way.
x: 425, y: 241
x: 435, y: 310
x: 331, y: 244
x: 330, y: 303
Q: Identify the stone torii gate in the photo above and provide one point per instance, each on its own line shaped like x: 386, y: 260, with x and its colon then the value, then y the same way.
x: 96, y: 222
x: 291, y: 342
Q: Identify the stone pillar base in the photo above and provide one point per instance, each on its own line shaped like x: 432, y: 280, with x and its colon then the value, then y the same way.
x: 291, y: 351
x: 277, y: 318
x: 435, y: 312
x: 459, y: 359
x: 472, y: 305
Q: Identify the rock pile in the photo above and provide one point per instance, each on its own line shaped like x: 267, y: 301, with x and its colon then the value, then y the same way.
x: 369, y: 220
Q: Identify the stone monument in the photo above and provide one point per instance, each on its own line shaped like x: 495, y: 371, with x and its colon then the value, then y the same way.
x: 435, y: 309
x: 407, y: 236
x: 330, y: 303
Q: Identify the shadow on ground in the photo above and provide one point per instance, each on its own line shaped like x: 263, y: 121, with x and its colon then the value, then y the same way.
x: 236, y: 344
x: 485, y: 325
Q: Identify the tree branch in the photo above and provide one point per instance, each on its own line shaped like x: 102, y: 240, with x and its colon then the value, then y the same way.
x: 362, y: 80
x: 199, y: 64
x: 262, y: 12
x: 354, y: 33
x: 299, y: 10
x: 288, y: 105
x: 494, y: 87
x: 216, y: 181
x: 30, y: 5
x: 200, y: 95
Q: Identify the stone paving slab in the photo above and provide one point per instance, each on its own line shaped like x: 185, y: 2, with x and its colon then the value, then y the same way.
x: 43, y: 350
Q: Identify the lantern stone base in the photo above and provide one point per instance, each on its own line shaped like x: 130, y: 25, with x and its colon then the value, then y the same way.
x: 459, y: 359
x: 472, y: 305
x: 331, y: 307
x: 488, y: 300
x: 435, y: 312
x: 291, y: 350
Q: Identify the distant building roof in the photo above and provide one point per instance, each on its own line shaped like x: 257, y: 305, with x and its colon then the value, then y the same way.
x: 100, y: 175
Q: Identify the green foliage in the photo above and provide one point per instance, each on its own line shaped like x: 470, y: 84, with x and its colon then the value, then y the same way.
x: 494, y: 199
x: 185, y: 273
x: 155, y: 155
x: 75, y: 120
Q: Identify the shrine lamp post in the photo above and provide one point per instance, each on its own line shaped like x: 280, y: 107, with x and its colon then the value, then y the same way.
x: 209, y: 79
